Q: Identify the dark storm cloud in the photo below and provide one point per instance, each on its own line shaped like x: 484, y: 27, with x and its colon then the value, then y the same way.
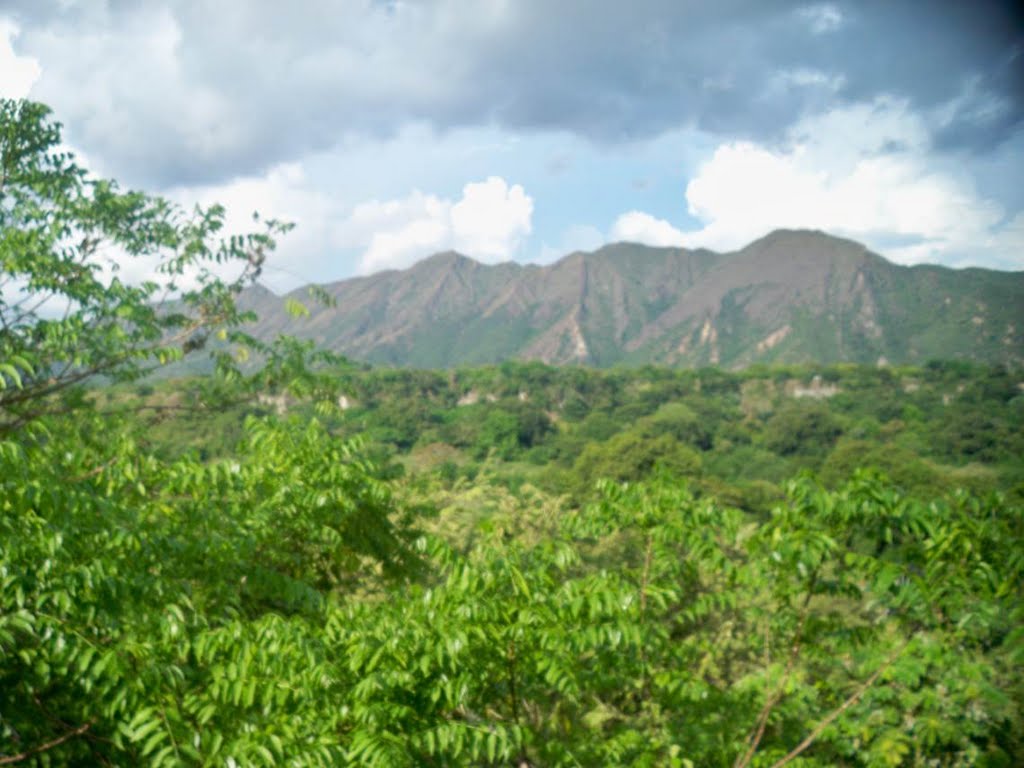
x: 241, y: 85
x: 963, y: 59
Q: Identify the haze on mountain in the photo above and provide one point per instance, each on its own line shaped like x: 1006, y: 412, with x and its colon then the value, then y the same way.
x: 791, y: 296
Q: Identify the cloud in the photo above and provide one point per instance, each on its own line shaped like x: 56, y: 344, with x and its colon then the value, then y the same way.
x: 153, y: 89
x: 863, y: 171
x: 132, y: 101
x: 283, y: 193
x: 488, y: 222
x: 1007, y: 245
x: 491, y: 219
x: 368, y: 99
x: 17, y: 73
x: 286, y: 193
x: 640, y: 227
x: 822, y: 18
x: 800, y: 77
x: 396, y: 233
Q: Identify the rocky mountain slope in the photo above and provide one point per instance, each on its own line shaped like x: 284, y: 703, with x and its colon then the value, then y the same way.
x: 792, y: 296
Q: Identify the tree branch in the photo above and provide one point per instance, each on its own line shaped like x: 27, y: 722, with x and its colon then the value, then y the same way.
x: 762, y: 719
x: 510, y: 658
x: 10, y: 759
x: 835, y: 713
x: 646, y: 574
x: 94, y: 471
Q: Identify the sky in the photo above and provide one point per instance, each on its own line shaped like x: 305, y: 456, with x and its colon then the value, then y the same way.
x: 388, y: 130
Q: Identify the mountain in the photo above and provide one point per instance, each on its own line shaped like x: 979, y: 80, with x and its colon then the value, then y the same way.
x: 792, y: 296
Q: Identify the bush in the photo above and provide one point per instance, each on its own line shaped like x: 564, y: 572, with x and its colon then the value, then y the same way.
x: 802, y: 429
x: 631, y: 456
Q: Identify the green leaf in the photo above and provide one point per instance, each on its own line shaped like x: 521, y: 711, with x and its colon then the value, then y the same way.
x: 296, y: 308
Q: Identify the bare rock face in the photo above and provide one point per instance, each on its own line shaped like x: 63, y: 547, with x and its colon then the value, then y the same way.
x: 816, y: 390
x: 792, y: 296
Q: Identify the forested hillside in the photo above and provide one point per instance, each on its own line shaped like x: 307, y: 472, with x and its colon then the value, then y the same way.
x: 309, y: 561
x: 739, y: 435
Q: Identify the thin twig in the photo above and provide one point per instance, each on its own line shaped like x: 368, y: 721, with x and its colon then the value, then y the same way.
x: 513, y: 693
x: 94, y: 471
x: 645, y: 576
x: 754, y: 739
x: 830, y: 718
x: 8, y: 760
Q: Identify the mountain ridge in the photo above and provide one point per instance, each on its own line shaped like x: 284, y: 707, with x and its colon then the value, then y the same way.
x: 790, y: 296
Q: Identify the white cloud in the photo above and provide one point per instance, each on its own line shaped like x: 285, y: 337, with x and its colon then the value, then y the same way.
x: 395, y: 233
x: 640, y: 227
x: 285, y: 193
x: 491, y: 218
x: 862, y: 171
x: 488, y: 222
x: 332, y: 238
x: 17, y: 73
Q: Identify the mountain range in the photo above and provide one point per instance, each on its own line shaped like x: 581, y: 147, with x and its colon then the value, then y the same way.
x: 791, y: 296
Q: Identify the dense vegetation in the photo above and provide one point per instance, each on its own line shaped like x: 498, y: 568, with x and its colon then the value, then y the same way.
x: 738, y: 435
x: 308, y: 562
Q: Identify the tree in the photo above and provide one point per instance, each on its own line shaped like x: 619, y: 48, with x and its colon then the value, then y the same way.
x: 679, y: 421
x: 126, y: 580
x: 852, y: 628
x: 802, y: 428
x: 66, y: 315
x: 630, y: 456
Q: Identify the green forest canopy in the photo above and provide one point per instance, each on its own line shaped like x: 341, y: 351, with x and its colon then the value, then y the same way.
x: 236, y: 570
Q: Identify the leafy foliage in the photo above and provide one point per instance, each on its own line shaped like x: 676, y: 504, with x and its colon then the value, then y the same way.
x: 286, y: 595
x: 649, y: 628
x: 66, y: 316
